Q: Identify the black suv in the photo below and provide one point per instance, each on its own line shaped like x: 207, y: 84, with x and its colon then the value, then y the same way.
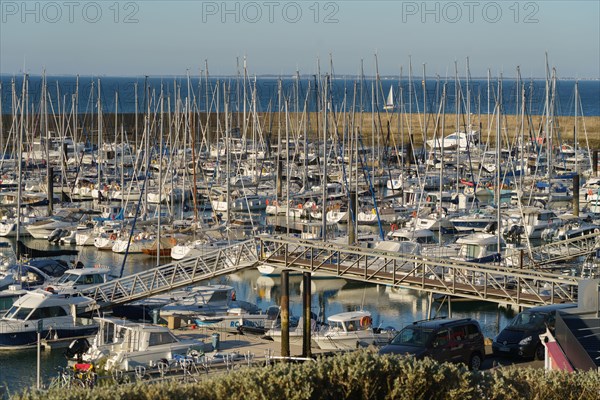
x: 444, y: 340
x: 520, y: 338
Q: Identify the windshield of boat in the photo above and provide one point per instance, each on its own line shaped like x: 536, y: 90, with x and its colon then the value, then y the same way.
x: 16, y: 312
x: 528, y: 320
x: 67, y: 278
x: 413, y: 336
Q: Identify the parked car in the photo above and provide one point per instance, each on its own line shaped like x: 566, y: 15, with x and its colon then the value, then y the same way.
x: 444, y: 340
x: 520, y: 338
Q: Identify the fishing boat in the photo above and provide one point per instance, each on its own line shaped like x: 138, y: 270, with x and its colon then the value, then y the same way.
x: 57, y: 316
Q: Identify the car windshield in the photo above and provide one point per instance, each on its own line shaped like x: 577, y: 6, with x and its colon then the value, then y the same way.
x: 413, y: 336
x: 528, y: 320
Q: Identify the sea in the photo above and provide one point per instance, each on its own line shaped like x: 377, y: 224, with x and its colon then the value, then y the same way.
x: 476, y: 96
x: 390, y: 308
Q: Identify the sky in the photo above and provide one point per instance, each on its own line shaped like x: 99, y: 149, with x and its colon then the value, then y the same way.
x: 278, y: 37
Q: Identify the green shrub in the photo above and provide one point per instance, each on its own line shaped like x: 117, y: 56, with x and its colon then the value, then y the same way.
x: 359, y: 375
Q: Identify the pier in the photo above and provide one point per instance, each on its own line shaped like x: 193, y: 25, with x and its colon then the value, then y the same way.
x: 519, y: 287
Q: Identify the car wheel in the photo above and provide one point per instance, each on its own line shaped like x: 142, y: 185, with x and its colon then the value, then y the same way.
x: 540, y: 352
x: 475, y: 362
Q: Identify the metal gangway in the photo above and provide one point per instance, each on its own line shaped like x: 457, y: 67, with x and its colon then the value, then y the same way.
x: 565, y: 249
x: 175, y: 275
x: 498, y: 284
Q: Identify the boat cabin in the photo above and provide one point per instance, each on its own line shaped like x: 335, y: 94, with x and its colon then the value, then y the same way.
x: 480, y: 247
x: 75, y: 280
x: 350, y: 321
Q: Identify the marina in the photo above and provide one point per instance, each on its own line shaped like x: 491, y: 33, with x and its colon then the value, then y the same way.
x: 191, y: 226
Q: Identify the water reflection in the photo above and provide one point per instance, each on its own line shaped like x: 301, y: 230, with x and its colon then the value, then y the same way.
x: 389, y: 307
x: 396, y: 307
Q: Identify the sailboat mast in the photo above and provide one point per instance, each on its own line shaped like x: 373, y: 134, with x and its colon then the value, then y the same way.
x: 160, y: 167
x: 99, y: 162
x: 228, y: 150
x: 575, y: 140
x: 192, y: 126
x: 324, y: 207
x: 20, y: 161
x: 498, y: 174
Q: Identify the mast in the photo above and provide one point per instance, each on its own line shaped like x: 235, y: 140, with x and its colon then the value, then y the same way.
x: 99, y: 162
x: 135, y: 85
x: 575, y: 140
x: 324, y: 207
x: 20, y: 162
x: 147, y: 147
x: 498, y: 174
x: 44, y: 128
x: 192, y: 126
x: 401, y: 130
x: 160, y: 166
x: 228, y: 150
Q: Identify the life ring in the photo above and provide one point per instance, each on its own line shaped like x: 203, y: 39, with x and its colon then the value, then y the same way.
x: 113, y: 236
x: 267, y: 201
x: 597, y: 231
x: 300, y: 206
x: 394, y: 227
x: 233, y: 295
x: 414, y: 214
x: 50, y: 289
x: 428, y: 199
x: 590, y: 192
x: 366, y: 321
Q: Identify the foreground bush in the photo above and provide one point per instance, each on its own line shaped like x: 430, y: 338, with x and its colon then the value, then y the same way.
x: 358, y: 375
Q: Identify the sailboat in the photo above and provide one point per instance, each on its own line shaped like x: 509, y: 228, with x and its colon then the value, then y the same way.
x: 389, y: 103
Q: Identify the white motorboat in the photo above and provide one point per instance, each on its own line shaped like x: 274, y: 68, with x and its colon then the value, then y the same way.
x: 58, y: 317
x: 349, y: 330
x: 125, y: 345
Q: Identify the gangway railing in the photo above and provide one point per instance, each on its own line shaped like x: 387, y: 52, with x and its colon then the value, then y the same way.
x: 566, y: 249
x: 175, y: 275
x: 514, y: 286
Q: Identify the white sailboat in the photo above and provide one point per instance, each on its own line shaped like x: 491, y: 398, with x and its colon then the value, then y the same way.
x: 389, y: 103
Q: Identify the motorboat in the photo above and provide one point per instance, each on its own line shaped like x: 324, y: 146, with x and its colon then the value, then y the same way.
x: 77, y: 279
x: 56, y: 316
x: 349, y: 330
x: 125, y: 344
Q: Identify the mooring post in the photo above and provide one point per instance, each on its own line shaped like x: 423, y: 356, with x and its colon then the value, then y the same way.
x: 285, y: 313
x: 351, y: 217
x: 429, y: 304
x: 306, y: 331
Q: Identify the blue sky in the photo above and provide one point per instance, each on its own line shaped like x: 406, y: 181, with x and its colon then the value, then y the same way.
x: 279, y: 36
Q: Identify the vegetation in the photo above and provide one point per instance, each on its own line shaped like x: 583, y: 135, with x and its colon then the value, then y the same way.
x: 358, y: 375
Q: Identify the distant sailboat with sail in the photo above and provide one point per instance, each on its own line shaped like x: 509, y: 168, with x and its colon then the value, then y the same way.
x: 389, y: 103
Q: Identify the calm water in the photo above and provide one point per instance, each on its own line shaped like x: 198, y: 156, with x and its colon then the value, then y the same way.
x: 390, y: 308
x: 267, y: 89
